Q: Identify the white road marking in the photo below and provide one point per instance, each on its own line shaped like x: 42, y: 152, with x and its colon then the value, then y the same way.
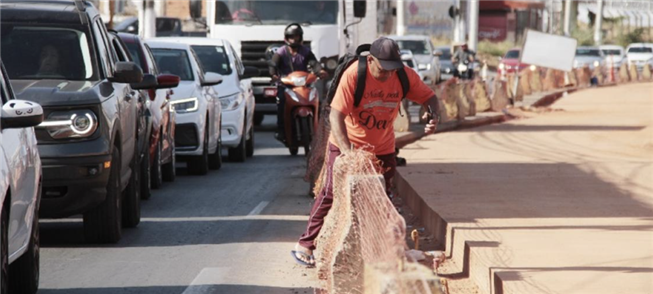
x: 259, y: 208
x: 204, y: 281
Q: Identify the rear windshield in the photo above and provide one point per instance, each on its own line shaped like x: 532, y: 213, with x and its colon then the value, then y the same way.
x: 640, y: 50
x: 512, y: 54
x: 446, y: 54
x: 32, y: 52
x: 213, y: 59
x: 173, y: 61
x: 417, y: 47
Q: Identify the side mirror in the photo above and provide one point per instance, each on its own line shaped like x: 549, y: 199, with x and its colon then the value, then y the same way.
x: 360, y: 8
x: 250, y: 72
x: 149, y: 82
x: 21, y: 114
x: 167, y: 81
x: 127, y: 72
x: 212, y: 79
x: 437, y: 53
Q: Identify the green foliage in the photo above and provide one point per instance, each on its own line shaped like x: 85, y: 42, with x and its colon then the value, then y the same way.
x: 585, y: 36
x: 494, y: 49
x: 636, y: 36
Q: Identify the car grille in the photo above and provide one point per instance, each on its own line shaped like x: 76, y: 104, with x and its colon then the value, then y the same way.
x: 186, y: 135
x: 253, y: 53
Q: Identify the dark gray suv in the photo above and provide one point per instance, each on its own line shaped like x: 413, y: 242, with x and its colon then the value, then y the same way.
x: 58, y: 53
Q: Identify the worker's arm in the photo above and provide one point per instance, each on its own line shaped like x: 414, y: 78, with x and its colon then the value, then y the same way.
x: 339, y: 130
x: 432, y: 104
x: 273, y: 66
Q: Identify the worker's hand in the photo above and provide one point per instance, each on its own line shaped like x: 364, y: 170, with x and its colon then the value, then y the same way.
x: 432, y: 124
x: 275, y: 78
x: 323, y: 74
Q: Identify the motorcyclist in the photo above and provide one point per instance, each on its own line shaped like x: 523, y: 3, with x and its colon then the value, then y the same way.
x: 463, y: 53
x: 292, y: 57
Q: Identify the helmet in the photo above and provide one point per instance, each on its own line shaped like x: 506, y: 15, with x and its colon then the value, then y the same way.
x: 293, y: 29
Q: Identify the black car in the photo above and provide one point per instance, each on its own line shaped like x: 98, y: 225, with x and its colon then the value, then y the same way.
x: 58, y: 53
x: 165, y: 26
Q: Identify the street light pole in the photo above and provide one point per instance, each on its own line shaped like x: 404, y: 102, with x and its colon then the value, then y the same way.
x: 473, y: 24
x: 567, y: 17
x: 401, y: 29
x: 598, y: 36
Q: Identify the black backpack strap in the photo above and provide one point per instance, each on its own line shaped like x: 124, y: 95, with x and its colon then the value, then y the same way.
x: 403, y: 79
x: 360, y: 82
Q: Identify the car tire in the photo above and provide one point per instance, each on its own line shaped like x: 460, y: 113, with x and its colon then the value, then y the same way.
x: 157, y: 169
x: 258, y: 119
x: 215, y: 159
x: 131, y: 208
x: 4, y: 250
x: 24, y: 272
x: 199, y: 165
x: 103, y: 224
x: 239, y: 153
x: 249, y: 148
x: 169, y: 169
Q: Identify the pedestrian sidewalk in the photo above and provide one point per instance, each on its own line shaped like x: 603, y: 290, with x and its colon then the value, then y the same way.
x: 561, y: 202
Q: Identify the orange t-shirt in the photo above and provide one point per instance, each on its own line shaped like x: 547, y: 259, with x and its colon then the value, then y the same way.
x: 372, y: 121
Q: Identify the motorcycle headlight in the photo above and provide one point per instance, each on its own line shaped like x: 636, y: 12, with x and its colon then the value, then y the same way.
x: 185, y: 105
x: 292, y: 95
x: 71, y: 124
x: 230, y: 102
x: 331, y: 64
x: 313, y: 95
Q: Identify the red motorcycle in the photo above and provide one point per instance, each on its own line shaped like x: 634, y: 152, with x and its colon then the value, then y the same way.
x: 301, y: 109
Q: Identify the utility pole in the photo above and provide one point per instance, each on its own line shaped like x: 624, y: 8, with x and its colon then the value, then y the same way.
x: 598, y: 34
x: 567, y: 32
x: 147, y: 19
x: 401, y: 6
x: 473, y: 24
x: 457, y: 30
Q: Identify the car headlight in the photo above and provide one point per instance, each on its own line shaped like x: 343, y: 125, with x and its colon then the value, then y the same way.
x: 185, y: 105
x: 596, y: 63
x: 313, y: 95
x: 71, y: 124
x: 533, y: 67
x: 424, y: 66
x: 502, y: 66
x: 230, y: 102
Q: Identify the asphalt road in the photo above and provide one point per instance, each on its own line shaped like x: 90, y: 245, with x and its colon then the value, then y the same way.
x: 230, y: 231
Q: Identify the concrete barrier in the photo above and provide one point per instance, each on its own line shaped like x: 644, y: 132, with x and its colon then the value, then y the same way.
x: 634, y: 75
x: 646, y: 72
x: 536, y: 81
x: 481, y: 97
x: 500, y: 98
x: 450, y: 98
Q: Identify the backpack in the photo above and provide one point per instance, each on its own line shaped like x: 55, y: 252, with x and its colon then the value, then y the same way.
x: 348, y: 59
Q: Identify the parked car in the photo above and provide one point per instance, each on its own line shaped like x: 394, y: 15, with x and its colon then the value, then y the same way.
x: 591, y: 57
x: 640, y: 54
x: 509, y: 63
x: 446, y: 66
x: 161, y: 155
x: 408, y: 59
x: 20, y: 192
x: 58, y: 54
x: 425, y: 54
x: 235, y: 91
x: 165, y: 26
x: 614, y: 55
x: 196, y: 104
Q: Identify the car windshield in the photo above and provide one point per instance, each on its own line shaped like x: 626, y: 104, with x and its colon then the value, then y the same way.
x: 275, y: 12
x: 213, y: 59
x: 611, y: 51
x: 588, y: 52
x: 446, y: 54
x: 512, y: 54
x: 640, y: 50
x: 417, y: 47
x: 31, y: 52
x: 173, y: 61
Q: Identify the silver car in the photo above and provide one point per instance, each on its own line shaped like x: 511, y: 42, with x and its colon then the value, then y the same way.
x: 428, y: 61
x: 591, y: 57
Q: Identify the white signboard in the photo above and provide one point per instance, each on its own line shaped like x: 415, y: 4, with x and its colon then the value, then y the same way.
x: 549, y: 51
